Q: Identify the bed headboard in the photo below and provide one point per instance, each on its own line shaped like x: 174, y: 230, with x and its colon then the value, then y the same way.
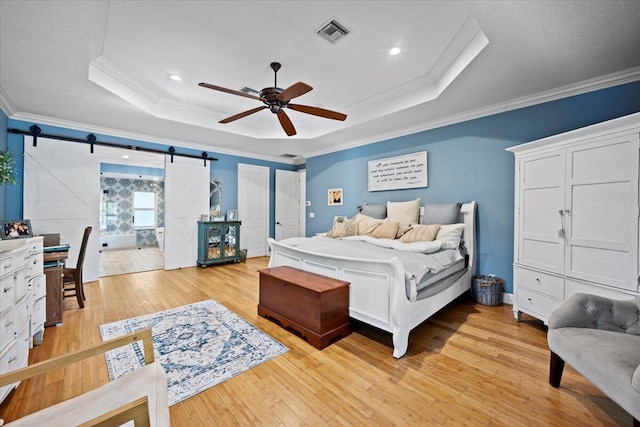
x: 468, y: 217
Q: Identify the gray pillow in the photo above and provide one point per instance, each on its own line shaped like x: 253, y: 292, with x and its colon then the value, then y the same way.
x: 374, y: 211
x: 441, y: 214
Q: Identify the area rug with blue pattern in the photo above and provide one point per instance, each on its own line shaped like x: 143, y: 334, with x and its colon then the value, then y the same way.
x: 199, y: 345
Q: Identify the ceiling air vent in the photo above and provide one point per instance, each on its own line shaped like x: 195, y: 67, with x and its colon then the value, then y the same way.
x: 249, y: 90
x: 333, y: 31
x: 288, y: 155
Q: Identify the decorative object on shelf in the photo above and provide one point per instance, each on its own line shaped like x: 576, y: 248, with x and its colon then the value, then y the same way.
x: 16, y: 229
x: 335, y: 196
x: 7, y: 168
x: 232, y: 215
x: 215, y: 197
x: 394, y: 173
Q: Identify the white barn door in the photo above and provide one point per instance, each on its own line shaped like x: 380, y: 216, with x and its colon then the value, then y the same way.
x: 186, y: 189
x: 253, y: 208
x: 287, y: 204
x: 62, y: 195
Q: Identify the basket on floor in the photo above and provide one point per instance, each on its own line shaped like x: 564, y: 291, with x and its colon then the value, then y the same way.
x: 487, y: 290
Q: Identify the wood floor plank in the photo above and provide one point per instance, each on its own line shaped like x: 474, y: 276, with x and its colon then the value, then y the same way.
x: 470, y: 365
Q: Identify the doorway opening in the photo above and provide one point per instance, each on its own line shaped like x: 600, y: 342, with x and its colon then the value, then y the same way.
x: 131, y: 214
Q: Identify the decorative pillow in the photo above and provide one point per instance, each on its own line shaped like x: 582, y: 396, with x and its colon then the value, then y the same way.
x: 406, y: 213
x: 365, y: 224
x: 421, y: 233
x: 374, y: 211
x: 441, y: 214
x: 342, y: 226
x: 385, y: 230
x: 450, y: 234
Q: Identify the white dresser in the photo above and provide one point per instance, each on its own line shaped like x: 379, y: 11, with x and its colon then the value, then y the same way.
x: 22, y: 302
x: 576, y: 216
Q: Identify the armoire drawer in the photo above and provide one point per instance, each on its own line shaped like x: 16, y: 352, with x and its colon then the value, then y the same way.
x: 540, y: 282
x: 536, y: 304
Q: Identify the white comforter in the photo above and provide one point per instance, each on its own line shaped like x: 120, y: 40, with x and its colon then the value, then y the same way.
x: 416, y: 264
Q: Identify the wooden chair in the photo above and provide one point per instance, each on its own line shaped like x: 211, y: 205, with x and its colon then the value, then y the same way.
x: 72, y: 285
x: 140, y: 396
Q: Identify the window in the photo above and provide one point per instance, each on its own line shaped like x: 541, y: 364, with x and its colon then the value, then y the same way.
x: 144, y: 209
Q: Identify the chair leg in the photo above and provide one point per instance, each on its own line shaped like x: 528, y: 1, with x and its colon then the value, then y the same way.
x: 556, y: 366
x: 79, y: 291
x: 82, y: 287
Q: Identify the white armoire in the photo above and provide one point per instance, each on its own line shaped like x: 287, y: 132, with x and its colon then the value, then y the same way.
x: 576, y: 216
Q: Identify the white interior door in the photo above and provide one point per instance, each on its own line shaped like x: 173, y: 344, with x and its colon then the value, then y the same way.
x: 287, y: 204
x: 186, y: 189
x: 62, y: 195
x: 253, y: 208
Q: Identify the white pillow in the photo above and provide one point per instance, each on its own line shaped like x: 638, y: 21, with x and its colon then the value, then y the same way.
x: 449, y: 235
x: 406, y: 213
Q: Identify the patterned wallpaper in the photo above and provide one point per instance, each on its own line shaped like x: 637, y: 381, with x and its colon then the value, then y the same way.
x: 116, y: 208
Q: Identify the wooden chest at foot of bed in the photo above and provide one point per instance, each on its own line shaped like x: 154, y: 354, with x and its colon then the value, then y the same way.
x: 315, y: 306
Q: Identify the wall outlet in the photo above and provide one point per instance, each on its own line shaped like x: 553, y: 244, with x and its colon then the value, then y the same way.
x: 312, y: 215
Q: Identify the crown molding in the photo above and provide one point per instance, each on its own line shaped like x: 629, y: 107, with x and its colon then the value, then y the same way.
x: 586, y: 86
x: 6, y: 104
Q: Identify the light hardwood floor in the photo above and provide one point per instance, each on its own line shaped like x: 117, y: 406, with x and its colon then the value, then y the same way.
x: 123, y: 261
x: 470, y: 365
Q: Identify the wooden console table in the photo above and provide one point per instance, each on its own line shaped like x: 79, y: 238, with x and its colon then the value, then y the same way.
x: 315, y: 306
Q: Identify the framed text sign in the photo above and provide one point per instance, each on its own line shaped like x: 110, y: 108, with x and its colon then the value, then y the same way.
x: 394, y: 173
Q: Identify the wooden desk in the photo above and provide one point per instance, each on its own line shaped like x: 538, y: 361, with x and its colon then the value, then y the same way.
x: 54, y: 287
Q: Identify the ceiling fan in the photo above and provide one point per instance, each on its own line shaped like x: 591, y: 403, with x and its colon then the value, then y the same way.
x: 276, y: 99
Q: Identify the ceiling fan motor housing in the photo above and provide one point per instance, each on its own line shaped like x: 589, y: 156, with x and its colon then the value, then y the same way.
x: 270, y: 95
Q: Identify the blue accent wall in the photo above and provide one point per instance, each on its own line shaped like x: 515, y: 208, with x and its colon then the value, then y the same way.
x: 226, y: 168
x: 466, y: 161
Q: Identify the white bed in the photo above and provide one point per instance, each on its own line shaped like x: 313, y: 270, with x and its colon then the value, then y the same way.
x: 378, y: 294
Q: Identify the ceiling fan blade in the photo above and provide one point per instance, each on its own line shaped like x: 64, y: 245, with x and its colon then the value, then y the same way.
x: 286, y: 123
x: 231, y: 91
x: 316, y: 111
x: 241, y: 115
x: 293, y: 91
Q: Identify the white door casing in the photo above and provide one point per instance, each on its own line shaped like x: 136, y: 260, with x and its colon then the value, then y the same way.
x: 62, y: 195
x: 287, y: 204
x: 253, y: 208
x: 186, y: 198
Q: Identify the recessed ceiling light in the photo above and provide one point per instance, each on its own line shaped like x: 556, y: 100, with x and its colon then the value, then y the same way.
x: 124, y: 156
x: 395, y: 51
x: 175, y: 77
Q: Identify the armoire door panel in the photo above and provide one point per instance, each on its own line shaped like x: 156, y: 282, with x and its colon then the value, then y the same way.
x: 542, y: 254
x: 608, y: 266
x: 541, y: 200
x: 602, y: 228
x: 602, y: 158
x: 592, y: 216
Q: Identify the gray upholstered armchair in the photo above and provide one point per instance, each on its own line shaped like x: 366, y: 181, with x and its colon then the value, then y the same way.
x: 599, y: 338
